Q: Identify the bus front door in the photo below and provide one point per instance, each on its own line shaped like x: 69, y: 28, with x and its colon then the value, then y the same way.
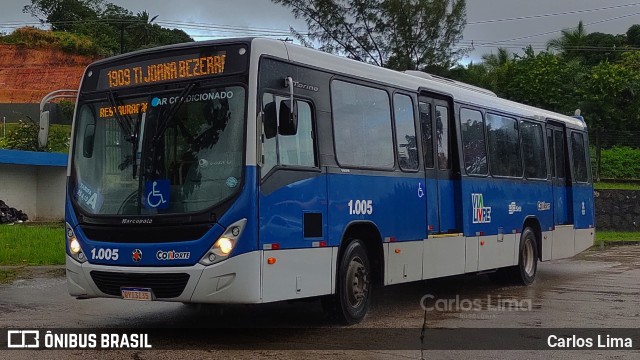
x: 441, y: 187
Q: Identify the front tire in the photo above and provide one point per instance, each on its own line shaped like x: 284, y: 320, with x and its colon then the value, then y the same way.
x: 353, y: 288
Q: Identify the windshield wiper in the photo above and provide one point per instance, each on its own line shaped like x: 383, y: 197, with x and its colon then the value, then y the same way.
x: 163, y: 124
x: 131, y: 135
x: 125, y: 126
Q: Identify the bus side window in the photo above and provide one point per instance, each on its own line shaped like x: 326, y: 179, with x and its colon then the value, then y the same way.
x: 289, y: 150
x: 297, y: 150
x: 405, y: 132
x: 580, y: 171
x: 474, y: 147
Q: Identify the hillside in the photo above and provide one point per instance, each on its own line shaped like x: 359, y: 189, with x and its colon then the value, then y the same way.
x: 28, y: 74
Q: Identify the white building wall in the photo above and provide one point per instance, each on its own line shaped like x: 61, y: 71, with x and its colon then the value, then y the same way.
x: 39, y: 191
x: 18, y: 184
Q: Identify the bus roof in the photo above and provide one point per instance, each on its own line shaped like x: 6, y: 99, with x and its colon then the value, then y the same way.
x: 415, y: 81
x: 410, y: 80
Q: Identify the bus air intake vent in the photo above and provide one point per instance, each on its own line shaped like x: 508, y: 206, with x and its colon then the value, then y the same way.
x: 163, y: 285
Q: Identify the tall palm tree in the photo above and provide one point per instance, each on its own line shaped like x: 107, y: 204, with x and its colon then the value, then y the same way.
x: 494, y: 61
x: 570, y: 43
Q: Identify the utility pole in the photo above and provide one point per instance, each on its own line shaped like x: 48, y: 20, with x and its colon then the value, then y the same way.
x: 121, y: 37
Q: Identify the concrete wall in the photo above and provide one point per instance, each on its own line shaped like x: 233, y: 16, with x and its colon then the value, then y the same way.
x: 617, y: 210
x: 38, y: 191
x: 51, y: 193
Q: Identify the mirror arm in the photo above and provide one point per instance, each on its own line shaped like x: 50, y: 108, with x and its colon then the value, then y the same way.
x: 289, y: 84
x: 261, y: 136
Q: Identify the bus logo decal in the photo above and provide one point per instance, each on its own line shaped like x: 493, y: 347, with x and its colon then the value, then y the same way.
x: 514, y: 208
x: 481, y: 214
x: 544, y: 206
x: 136, y: 255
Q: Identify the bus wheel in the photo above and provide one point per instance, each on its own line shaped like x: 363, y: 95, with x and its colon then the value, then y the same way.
x: 353, y: 290
x: 525, y: 272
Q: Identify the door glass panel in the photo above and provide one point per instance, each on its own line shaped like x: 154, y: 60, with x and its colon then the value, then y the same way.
x: 552, y: 157
x: 427, y: 134
x: 559, y: 153
x: 442, y: 135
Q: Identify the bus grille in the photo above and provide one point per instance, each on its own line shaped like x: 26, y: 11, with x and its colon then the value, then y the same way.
x: 162, y: 285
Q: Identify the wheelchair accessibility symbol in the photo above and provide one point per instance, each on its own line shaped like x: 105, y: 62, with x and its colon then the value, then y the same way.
x: 156, y: 194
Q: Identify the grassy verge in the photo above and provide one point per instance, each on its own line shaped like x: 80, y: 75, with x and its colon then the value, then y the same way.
x: 30, y: 244
x: 616, y: 186
x: 7, y: 276
x: 617, y: 237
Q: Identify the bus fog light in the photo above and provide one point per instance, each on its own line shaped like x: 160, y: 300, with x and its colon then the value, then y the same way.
x: 74, y: 246
x: 212, y: 257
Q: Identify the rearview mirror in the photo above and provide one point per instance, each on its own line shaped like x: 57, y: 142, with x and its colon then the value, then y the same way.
x: 43, y: 133
x: 89, y: 137
x: 288, y: 118
x: 270, y: 120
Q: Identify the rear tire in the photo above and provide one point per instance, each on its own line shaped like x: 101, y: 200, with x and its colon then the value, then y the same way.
x: 525, y: 272
x: 353, y: 286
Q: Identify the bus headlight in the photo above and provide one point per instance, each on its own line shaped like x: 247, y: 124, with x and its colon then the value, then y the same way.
x: 225, y: 244
x: 75, y: 249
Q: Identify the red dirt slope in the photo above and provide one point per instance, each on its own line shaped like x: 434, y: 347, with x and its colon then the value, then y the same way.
x: 27, y: 75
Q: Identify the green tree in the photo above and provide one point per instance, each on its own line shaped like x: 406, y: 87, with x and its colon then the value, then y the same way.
x: 610, y: 101
x: 397, y: 34
x: 571, y: 43
x: 601, y: 47
x: 113, y: 28
x: 495, y: 61
x: 63, y: 15
x: 633, y: 35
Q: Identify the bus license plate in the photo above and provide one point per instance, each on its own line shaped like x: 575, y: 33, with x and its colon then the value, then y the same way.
x: 140, y: 294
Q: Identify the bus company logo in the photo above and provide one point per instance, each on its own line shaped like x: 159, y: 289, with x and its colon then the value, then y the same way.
x: 136, y: 255
x: 304, y: 86
x: 136, y: 221
x: 172, y: 255
x: 481, y: 213
x: 544, y: 206
x: 514, y: 208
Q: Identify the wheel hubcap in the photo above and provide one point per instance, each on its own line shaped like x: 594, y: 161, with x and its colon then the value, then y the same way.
x: 357, y: 283
x: 528, y: 258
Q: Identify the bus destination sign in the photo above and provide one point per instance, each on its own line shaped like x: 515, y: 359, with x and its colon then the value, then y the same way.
x: 175, y: 69
x: 150, y: 69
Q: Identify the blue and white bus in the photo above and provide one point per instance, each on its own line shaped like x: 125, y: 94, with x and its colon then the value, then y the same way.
x: 253, y: 171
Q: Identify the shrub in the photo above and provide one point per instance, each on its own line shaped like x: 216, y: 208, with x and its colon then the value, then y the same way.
x: 35, y: 38
x: 620, y: 162
x: 24, y: 136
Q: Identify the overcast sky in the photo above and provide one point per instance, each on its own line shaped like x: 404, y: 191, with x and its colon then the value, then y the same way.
x: 275, y: 19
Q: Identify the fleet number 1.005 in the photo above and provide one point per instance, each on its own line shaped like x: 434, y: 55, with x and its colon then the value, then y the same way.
x: 360, y: 207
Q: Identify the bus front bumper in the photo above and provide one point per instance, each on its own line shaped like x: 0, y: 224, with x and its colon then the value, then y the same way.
x: 235, y: 280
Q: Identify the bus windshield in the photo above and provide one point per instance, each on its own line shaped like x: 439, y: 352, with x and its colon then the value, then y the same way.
x: 165, y: 153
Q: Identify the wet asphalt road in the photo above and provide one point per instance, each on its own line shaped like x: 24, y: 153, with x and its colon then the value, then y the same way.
x: 597, y: 289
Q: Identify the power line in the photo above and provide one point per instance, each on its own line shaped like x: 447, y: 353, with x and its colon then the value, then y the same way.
x: 556, y: 31
x: 549, y: 15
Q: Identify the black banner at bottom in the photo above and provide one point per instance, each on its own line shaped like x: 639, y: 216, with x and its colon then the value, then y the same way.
x: 324, y: 338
